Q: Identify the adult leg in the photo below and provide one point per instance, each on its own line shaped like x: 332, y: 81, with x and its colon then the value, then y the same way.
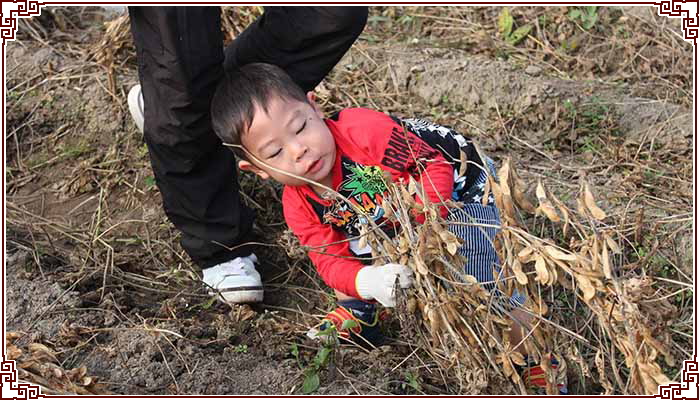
x: 307, y: 42
x: 180, y: 57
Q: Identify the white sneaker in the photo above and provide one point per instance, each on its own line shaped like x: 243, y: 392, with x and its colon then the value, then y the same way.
x: 237, y: 280
x: 135, y: 101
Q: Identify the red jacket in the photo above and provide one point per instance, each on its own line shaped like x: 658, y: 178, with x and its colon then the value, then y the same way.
x: 368, y: 143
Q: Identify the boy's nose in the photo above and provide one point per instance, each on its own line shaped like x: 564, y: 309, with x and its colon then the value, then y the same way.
x: 299, y: 151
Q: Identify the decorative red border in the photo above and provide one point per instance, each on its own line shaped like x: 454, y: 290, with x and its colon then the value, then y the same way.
x: 11, y: 386
x: 10, y: 373
x: 678, y: 391
x: 676, y: 11
x: 11, y: 23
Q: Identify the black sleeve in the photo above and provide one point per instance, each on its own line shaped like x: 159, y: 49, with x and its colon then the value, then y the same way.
x: 450, y: 143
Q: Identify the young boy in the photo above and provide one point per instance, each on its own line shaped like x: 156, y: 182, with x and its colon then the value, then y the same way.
x: 281, y: 134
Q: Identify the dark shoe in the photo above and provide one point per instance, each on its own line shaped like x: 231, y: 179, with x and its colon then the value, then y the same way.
x: 534, y: 377
x: 355, y: 322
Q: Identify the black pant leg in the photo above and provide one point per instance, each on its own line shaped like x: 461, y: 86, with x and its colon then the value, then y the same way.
x: 306, y: 42
x: 180, y: 57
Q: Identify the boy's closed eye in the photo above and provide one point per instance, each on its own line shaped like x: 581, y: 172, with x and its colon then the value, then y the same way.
x: 275, y: 154
x: 303, y: 125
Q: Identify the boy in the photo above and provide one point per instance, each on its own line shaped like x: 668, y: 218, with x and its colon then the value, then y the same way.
x: 280, y: 133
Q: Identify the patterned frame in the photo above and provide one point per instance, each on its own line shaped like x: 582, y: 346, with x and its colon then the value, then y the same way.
x: 8, y: 24
x: 674, y: 9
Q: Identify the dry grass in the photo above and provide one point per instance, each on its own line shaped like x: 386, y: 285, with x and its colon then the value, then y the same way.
x: 612, y: 296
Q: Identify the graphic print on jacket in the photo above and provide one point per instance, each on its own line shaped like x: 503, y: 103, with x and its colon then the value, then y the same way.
x: 365, y: 187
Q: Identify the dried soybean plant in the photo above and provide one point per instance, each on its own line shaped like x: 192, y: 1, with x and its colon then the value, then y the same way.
x: 586, y: 266
x: 465, y: 328
x: 39, y: 365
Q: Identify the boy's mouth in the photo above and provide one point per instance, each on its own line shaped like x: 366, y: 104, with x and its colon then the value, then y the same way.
x: 315, y: 166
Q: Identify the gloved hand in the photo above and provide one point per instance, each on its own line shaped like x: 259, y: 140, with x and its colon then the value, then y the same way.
x: 377, y: 282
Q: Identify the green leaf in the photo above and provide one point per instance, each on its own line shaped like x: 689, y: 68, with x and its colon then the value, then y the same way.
x: 295, y: 350
x: 209, y: 303
x: 590, y: 21
x: 349, y: 324
x: 505, y: 23
x: 412, y: 381
x: 321, y: 357
x: 311, y: 382
x: 519, y: 34
x: 575, y: 13
x: 591, y: 10
x: 150, y: 181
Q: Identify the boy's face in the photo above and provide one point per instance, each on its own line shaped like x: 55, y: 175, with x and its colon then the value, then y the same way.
x: 291, y: 137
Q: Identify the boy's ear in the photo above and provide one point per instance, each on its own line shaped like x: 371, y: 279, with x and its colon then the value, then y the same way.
x: 311, y: 97
x: 244, y: 165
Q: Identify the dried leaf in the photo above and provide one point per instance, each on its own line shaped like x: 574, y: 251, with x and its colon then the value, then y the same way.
x: 412, y: 189
x: 507, y: 366
x: 565, y: 213
x: 445, y: 235
x: 545, y: 205
x: 542, y: 308
x: 588, y: 199
x: 463, y: 162
x: 519, y: 274
x: 655, y: 372
x: 553, y: 276
x: 525, y: 253
x: 388, y: 209
x: 452, y: 247
x: 522, y: 201
x: 13, y: 353
x: 41, y: 352
x: 652, y: 376
x: 586, y: 287
x: 362, y: 243
x: 434, y: 322
x: 559, y: 255
x: 497, y: 195
x: 405, y: 196
x: 519, y: 195
x: 517, y: 358
x: 504, y: 177
x: 612, y: 244
x: 541, y: 269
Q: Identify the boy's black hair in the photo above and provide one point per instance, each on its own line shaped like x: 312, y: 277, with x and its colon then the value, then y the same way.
x: 238, y: 94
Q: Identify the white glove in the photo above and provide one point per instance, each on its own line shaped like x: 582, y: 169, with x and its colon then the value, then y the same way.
x: 377, y: 282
